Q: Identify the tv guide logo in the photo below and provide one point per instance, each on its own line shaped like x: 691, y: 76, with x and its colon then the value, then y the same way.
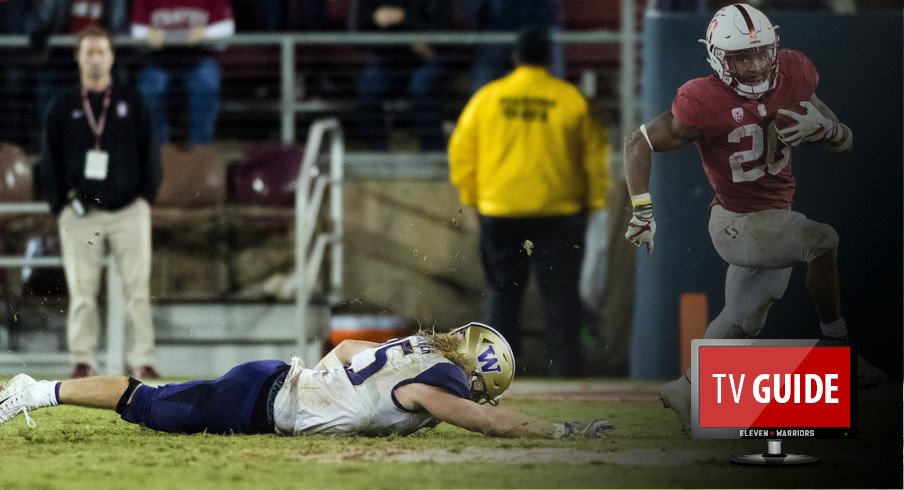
x: 763, y: 390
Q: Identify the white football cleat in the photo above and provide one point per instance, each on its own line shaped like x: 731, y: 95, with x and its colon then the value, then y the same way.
x: 868, y: 376
x: 16, y: 399
x: 676, y: 394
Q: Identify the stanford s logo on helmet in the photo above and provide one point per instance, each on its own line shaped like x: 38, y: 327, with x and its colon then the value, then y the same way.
x: 742, y: 47
x: 495, y: 361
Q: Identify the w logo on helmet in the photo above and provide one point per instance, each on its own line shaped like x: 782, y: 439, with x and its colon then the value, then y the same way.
x: 488, y: 361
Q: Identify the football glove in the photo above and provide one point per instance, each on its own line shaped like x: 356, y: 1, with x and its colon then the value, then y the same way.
x: 587, y: 430
x: 811, y: 127
x: 642, y: 227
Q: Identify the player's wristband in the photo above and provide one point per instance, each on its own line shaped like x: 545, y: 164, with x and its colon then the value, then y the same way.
x: 641, y: 200
x: 841, y: 139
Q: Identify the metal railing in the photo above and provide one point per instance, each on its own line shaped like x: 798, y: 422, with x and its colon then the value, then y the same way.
x: 309, y: 193
x: 290, y: 107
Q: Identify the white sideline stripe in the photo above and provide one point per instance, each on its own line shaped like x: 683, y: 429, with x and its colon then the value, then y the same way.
x: 630, y: 457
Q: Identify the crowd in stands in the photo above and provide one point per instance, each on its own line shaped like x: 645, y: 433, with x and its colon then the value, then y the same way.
x: 178, y: 46
x: 178, y: 35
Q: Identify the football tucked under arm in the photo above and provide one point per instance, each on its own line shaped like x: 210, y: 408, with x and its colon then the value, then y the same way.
x: 808, y: 125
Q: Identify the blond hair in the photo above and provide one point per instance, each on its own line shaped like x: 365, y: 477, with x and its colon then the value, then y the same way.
x: 449, y: 346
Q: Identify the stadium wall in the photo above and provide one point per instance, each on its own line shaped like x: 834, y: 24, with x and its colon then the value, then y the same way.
x: 411, y: 247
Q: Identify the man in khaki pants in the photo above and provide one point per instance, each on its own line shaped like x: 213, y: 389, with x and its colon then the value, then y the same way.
x: 101, y: 169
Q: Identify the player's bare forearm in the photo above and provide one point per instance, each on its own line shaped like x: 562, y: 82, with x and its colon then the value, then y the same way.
x: 637, y: 160
x: 663, y: 133
x: 342, y: 354
x: 509, y: 423
x: 488, y: 420
x: 494, y: 421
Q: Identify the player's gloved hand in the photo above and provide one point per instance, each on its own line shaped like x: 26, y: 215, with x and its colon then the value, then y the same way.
x: 811, y: 127
x: 587, y: 430
x: 642, y: 227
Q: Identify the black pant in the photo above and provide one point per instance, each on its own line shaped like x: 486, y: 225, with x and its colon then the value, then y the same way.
x: 558, y: 250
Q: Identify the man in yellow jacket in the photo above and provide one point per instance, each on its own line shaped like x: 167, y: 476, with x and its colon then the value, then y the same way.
x: 528, y: 157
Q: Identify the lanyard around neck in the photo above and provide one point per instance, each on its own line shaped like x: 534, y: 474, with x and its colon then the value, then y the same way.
x: 96, y: 125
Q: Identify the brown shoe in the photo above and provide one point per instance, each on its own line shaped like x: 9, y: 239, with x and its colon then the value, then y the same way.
x: 82, y: 371
x: 145, y: 372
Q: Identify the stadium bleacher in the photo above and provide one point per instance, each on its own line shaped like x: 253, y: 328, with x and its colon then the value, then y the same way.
x: 211, y: 246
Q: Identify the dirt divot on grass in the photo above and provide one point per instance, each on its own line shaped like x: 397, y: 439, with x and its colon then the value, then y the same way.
x: 644, y: 457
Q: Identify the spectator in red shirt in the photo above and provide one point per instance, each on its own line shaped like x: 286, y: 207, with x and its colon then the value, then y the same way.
x: 175, y: 31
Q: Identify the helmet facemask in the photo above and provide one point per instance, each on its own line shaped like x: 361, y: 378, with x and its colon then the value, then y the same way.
x: 751, y: 72
x: 479, y: 392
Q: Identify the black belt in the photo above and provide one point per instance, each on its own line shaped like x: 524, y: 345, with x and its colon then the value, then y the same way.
x: 262, y: 415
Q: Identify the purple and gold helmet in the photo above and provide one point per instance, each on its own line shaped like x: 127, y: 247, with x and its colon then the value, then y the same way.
x: 495, y: 361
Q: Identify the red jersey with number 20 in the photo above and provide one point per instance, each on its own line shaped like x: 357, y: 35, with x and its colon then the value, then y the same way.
x: 747, y: 166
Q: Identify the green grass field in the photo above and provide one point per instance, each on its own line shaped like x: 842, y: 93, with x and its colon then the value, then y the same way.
x: 84, y: 448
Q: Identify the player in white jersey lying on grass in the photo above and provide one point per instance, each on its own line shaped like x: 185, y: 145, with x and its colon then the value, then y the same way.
x: 359, y: 388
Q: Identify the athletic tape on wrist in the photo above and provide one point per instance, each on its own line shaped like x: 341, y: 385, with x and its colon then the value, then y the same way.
x: 842, y: 140
x: 641, y: 199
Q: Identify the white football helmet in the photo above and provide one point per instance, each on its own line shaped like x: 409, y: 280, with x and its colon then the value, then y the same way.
x: 495, y: 361
x: 742, y: 47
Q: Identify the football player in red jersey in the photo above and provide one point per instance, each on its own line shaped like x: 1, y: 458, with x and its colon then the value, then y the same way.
x: 730, y: 117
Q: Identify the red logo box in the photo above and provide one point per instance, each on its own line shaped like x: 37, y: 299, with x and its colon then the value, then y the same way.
x: 804, y: 385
